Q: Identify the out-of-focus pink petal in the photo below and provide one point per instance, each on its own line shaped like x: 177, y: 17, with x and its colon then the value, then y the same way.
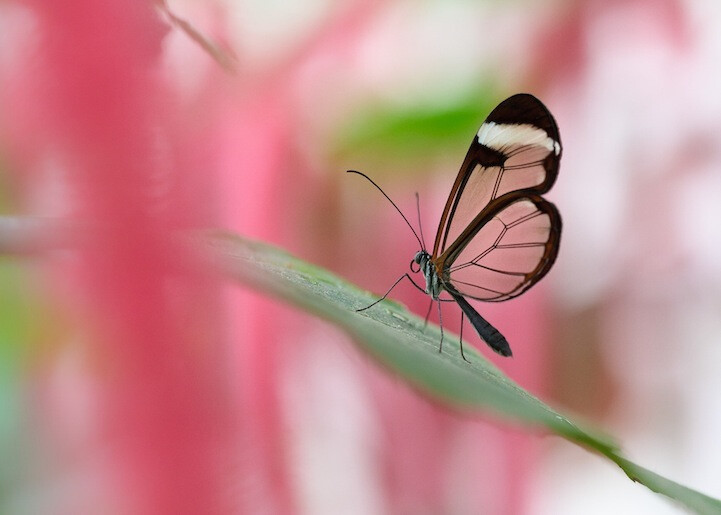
x: 160, y: 420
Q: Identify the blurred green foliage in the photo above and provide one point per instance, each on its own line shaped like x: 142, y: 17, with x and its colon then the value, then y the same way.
x: 406, y: 137
x: 18, y: 328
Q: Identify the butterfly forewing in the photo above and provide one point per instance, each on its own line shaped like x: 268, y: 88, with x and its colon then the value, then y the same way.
x: 511, y: 249
x: 516, y: 148
x: 497, y: 236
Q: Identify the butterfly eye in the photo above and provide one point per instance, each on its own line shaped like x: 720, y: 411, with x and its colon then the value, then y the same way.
x: 418, y: 257
x: 417, y: 268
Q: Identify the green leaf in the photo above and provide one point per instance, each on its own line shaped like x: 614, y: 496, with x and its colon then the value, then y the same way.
x: 396, y: 339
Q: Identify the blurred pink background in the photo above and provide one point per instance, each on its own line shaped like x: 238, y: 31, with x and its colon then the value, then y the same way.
x: 132, y: 382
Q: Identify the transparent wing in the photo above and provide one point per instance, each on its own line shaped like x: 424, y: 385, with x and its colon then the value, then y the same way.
x: 516, y: 148
x: 507, y: 251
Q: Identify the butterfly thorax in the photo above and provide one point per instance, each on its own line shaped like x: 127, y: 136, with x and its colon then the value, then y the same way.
x: 434, y: 286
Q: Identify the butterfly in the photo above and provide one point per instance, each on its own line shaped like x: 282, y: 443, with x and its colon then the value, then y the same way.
x: 497, y: 235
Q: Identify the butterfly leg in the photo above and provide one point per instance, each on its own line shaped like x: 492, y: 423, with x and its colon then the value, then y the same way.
x: 460, y: 339
x: 428, y: 314
x: 390, y: 289
x: 440, y: 323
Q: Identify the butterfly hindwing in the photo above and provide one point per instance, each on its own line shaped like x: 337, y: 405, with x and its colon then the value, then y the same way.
x: 507, y: 251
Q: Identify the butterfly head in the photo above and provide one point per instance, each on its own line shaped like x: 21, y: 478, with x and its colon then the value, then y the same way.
x: 425, y: 265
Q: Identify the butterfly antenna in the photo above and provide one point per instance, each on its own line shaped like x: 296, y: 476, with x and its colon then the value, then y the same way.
x: 420, y: 225
x: 393, y: 203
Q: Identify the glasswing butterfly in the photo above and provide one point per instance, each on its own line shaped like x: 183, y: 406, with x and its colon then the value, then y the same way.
x: 497, y: 236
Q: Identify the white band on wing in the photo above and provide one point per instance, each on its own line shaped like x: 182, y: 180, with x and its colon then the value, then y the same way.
x: 500, y: 135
